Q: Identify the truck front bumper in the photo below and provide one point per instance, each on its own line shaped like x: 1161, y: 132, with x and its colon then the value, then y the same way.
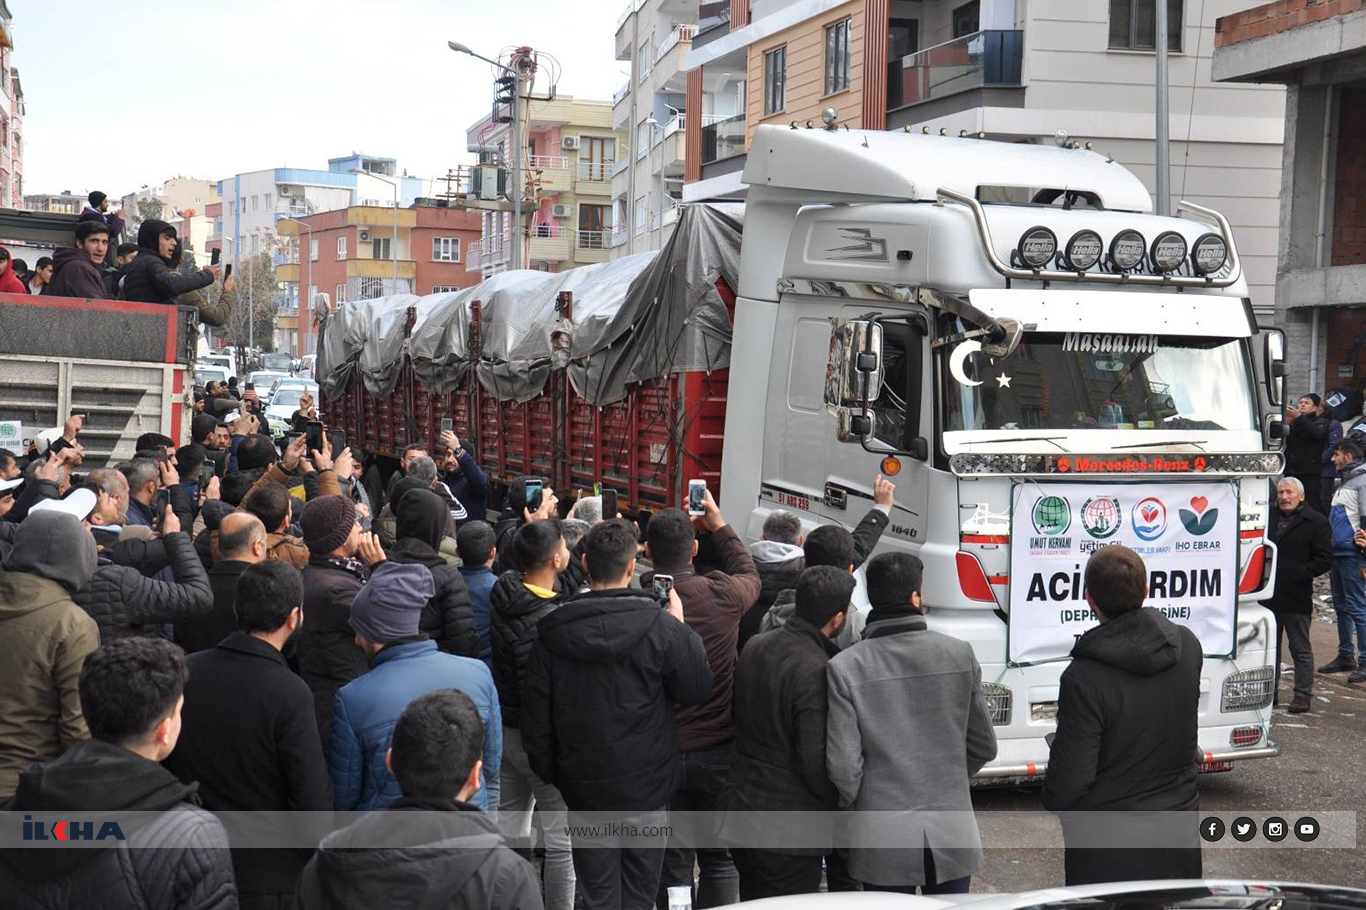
x: 1037, y: 770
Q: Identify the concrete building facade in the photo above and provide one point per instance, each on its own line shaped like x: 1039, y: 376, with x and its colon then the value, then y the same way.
x: 1316, y: 49
x: 63, y: 203
x: 1013, y: 70
x: 11, y: 118
x: 350, y: 253
x: 650, y: 110
x: 569, y: 158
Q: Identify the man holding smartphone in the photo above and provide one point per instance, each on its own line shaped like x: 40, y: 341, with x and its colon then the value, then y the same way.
x: 712, y: 606
x: 464, y: 478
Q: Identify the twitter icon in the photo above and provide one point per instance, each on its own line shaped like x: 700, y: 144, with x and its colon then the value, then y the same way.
x: 1244, y: 829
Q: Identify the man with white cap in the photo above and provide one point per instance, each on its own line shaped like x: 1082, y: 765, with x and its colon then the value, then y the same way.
x: 404, y: 664
x: 44, y: 639
x: 122, y: 600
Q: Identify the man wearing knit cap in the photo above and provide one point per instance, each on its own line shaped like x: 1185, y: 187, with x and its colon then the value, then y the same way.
x: 404, y: 664
x: 340, y: 558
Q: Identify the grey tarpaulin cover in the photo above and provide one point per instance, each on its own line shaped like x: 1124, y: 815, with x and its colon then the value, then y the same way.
x: 635, y: 318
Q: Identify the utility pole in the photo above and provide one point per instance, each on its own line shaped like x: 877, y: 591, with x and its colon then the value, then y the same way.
x: 518, y: 187
x: 1164, y: 169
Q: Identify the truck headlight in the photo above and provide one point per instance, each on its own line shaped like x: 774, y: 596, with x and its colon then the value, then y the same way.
x: 998, y: 698
x: 1249, y: 689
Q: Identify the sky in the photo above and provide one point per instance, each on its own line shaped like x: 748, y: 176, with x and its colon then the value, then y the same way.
x: 121, y: 95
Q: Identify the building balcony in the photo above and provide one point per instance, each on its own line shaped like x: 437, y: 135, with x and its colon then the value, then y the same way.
x: 288, y: 271
x: 986, y: 59
x: 670, y: 74
x: 548, y: 242
x: 375, y: 268
x: 621, y: 108
x: 473, y: 256
x: 592, y: 246
x: 673, y: 147
x: 723, y: 139
x: 594, y: 177
x: 556, y: 177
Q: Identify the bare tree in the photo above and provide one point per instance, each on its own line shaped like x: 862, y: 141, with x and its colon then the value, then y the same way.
x: 257, y: 291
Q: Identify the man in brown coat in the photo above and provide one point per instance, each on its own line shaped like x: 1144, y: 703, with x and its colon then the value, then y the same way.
x: 44, y: 640
x: 712, y: 606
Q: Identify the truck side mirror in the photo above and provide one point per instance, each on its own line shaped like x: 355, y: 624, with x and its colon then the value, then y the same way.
x: 854, y: 425
x: 1273, y: 361
x: 1278, y: 429
x: 853, y: 371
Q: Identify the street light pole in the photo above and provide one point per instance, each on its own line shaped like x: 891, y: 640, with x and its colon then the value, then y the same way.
x: 517, y: 178
x: 1164, y: 170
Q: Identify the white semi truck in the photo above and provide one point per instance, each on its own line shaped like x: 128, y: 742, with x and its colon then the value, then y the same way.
x: 1045, y: 367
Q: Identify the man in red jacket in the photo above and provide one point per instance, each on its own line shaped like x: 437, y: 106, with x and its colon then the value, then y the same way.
x: 713, y: 604
x: 75, y: 270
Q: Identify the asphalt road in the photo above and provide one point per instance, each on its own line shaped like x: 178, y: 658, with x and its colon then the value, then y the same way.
x: 1320, y: 771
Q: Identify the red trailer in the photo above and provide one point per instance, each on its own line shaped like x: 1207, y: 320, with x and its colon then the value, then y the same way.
x: 666, y: 432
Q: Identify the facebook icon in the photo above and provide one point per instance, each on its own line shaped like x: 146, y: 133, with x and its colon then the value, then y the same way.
x: 1212, y: 828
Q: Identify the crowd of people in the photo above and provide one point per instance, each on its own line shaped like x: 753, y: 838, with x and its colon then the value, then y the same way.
x: 100, y: 265
x: 1317, y: 528
x: 211, y: 629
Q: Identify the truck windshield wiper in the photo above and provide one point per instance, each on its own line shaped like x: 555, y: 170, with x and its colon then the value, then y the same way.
x: 1198, y: 443
x: 1049, y: 439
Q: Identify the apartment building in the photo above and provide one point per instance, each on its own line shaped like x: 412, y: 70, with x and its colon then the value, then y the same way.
x: 353, y: 253
x: 571, y: 152
x: 1317, y: 50
x: 1012, y: 70
x: 11, y: 118
x: 650, y: 109
x: 63, y: 203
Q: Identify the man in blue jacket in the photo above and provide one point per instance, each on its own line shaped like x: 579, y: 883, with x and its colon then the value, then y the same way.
x: 1349, y: 588
x: 404, y: 664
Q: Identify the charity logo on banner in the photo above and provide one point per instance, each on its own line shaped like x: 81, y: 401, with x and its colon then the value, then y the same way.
x: 1187, y: 534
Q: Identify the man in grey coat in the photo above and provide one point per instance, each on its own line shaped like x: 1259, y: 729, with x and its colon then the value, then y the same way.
x: 907, y: 728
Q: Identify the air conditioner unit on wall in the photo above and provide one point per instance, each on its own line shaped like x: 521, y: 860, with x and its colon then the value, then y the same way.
x: 569, y: 142
x: 364, y: 236
x: 561, y: 210
x: 284, y: 191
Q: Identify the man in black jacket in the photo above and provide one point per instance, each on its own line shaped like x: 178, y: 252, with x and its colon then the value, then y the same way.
x: 340, y: 557
x: 778, y: 556
x: 1304, y: 448
x: 1127, y: 737
x: 439, y: 849
x: 832, y: 545
x: 249, y: 736
x: 241, y: 545
x: 1305, y: 543
x: 519, y: 601
x: 597, y: 712
x: 151, y: 277
x: 131, y: 696
x: 779, y: 712
x: 420, y: 521
x: 124, y: 602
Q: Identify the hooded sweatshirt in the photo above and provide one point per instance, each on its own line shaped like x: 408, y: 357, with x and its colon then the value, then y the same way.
x: 448, y: 616
x: 780, y: 565
x: 151, y: 278
x: 74, y: 275
x: 189, y: 867
x: 44, y: 640
x: 597, y: 716
x: 1127, y: 718
x: 9, y: 282
x: 441, y: 853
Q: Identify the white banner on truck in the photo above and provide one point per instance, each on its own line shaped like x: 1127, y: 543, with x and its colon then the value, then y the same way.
x: 1187, y: 534
x: 12, y: 436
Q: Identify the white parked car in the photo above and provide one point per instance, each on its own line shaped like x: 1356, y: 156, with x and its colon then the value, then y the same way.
x: 284, y: 401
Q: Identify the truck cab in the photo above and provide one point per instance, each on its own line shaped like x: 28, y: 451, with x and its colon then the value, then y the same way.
x: 1044, y: 367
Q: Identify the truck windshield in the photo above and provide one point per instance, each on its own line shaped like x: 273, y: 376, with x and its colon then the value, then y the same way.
x: 1086, y: 381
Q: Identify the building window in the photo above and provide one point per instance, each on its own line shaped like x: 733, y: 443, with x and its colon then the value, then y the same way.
x: 642, y: 213
x: 445, y: 289
x: 312, y: 294
x: 775, y: 80
x: 1133, y: 25
x: 269, y: 197
x: 381, y: 248
x: 445, y: 249
x: 837, y: 56
x: 255, y: 203
x: 312, y: 250
x: 967, y: 19
x: 370, y: 288
x: 903, y: 39
x: 341, y: 247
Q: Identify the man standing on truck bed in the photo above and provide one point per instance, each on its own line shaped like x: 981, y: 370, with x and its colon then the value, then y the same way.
x: 150, y: 278
x: 76, y: 270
